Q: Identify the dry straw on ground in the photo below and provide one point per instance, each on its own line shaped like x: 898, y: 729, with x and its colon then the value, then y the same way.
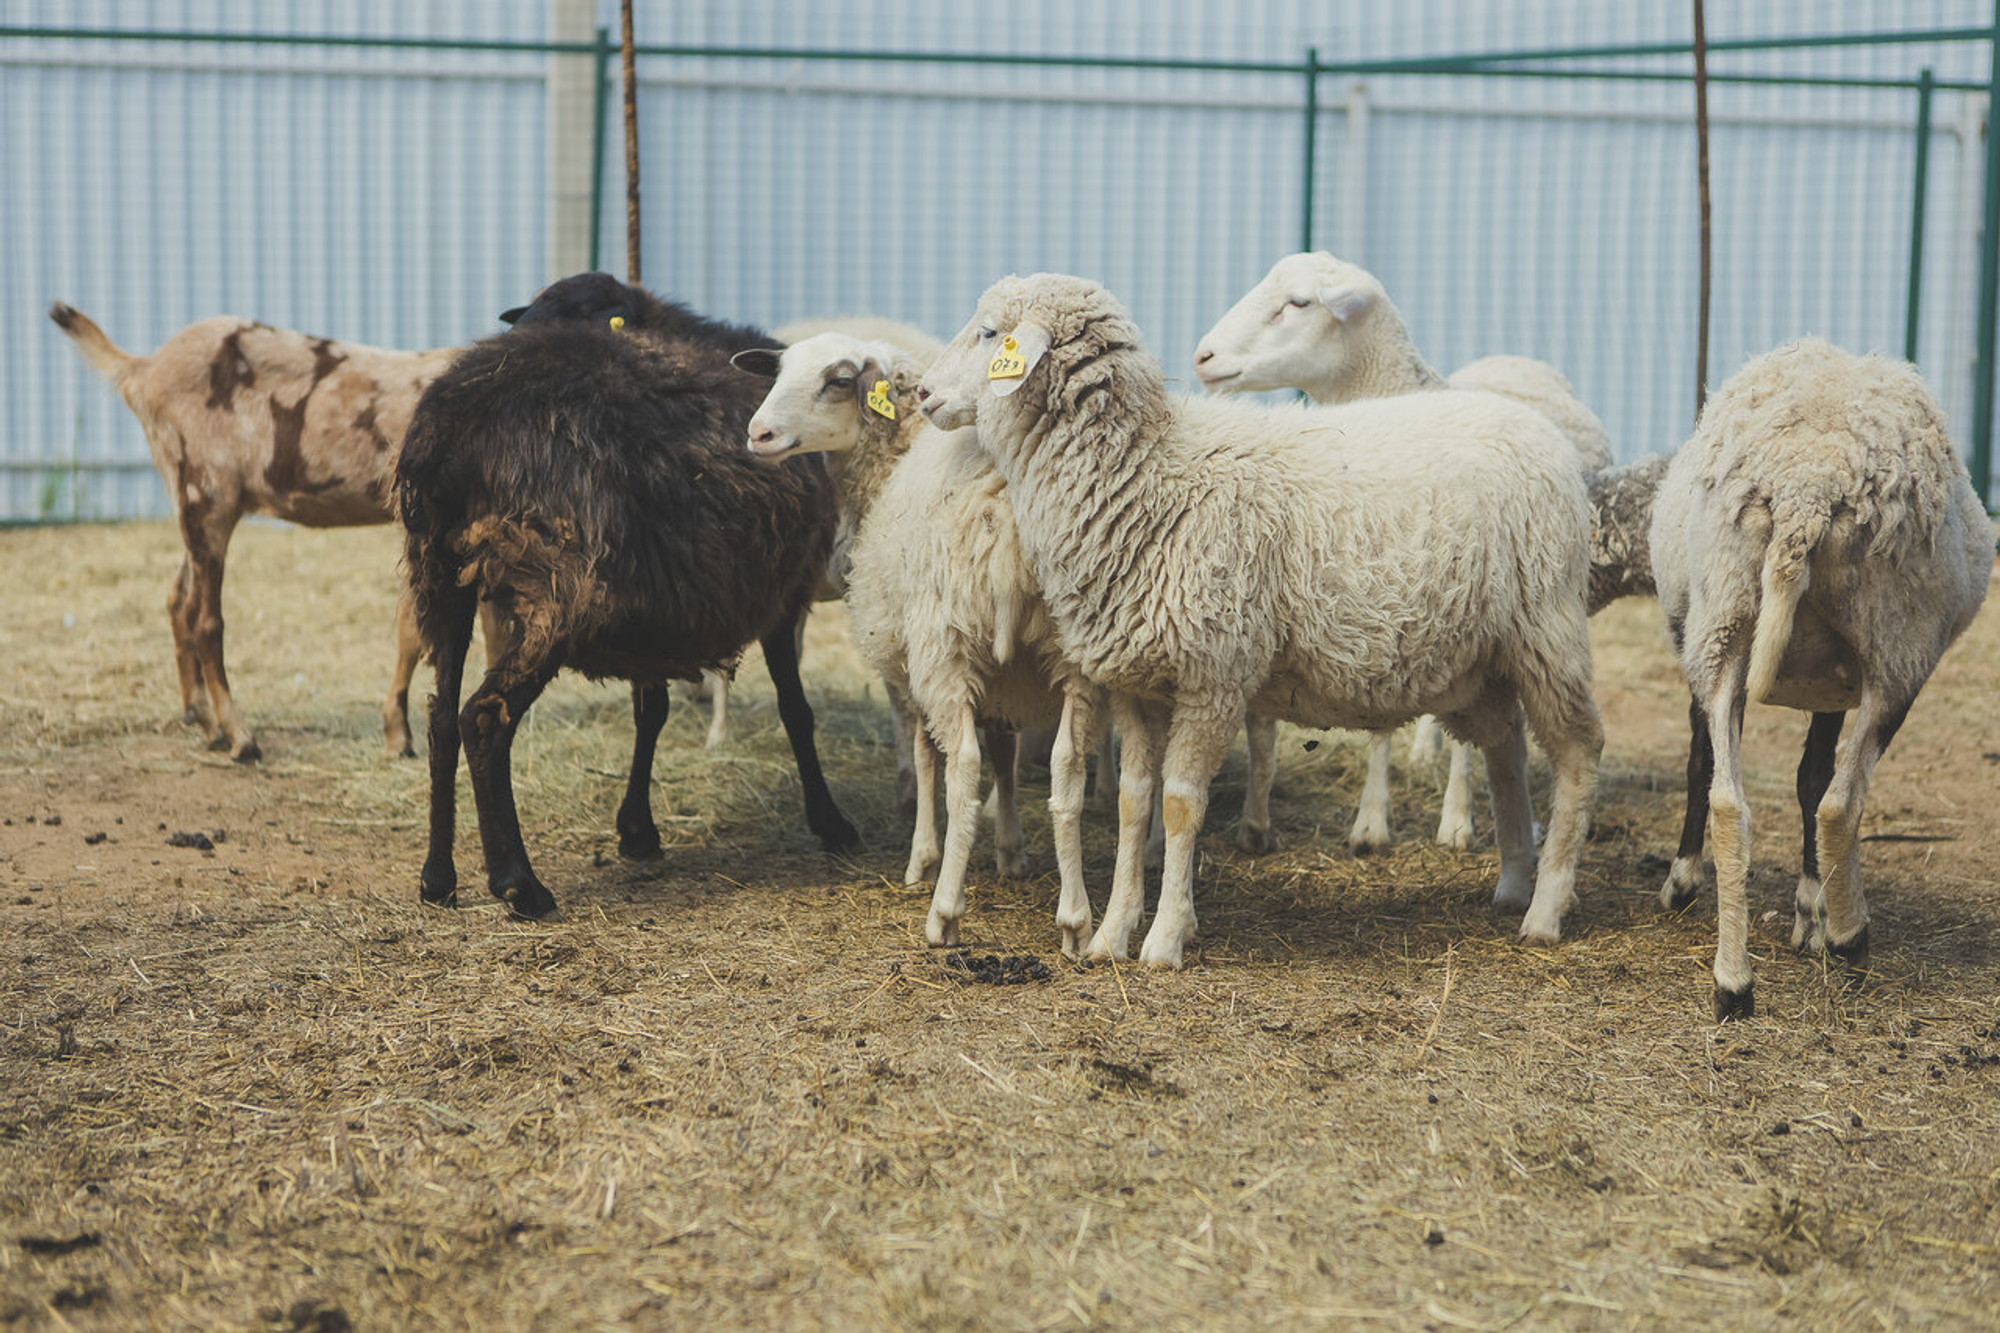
x: 260, y: 1087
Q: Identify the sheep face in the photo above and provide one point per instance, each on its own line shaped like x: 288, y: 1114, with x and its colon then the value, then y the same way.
x: 1291, y: 328
x: 998, y: 357
x: 830, y: 392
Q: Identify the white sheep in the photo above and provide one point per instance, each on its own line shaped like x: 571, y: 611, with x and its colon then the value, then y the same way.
x: 942, y: 604
x: 1203, y: 558
x: 1326, y: 327
x: 1818, y: 545
x: 914, y: 342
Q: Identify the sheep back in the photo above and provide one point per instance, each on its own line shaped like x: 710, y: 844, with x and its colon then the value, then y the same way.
x: 592, y: 483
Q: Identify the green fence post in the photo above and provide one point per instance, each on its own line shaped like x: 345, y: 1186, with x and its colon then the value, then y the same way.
x: 597, y: 136
x: 1917, y: 193
x: 1989, y: 286
x: 1312, y: 149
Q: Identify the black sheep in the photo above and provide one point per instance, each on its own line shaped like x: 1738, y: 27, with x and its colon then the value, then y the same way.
x: 587, y: 475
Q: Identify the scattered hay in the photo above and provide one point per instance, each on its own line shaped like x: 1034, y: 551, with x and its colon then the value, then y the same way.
x: 734, y: 1087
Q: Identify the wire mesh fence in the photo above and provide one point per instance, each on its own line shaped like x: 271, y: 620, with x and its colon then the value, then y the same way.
x: 1520, y: 175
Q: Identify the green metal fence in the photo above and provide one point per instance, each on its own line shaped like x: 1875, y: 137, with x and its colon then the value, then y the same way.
x: 1604, y: 62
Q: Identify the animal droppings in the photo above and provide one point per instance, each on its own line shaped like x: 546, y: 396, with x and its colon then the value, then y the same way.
x: 993, y: 970
x: 199, y: 841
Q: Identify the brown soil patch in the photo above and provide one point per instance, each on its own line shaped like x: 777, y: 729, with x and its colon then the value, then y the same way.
x: 258, y: 1086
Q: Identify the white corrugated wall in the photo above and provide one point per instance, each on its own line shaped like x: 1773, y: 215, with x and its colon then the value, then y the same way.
x: 397, y: 196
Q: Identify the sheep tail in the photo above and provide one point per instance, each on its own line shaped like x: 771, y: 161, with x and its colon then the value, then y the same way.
x: 1795, y: 531
x: 107, y: 358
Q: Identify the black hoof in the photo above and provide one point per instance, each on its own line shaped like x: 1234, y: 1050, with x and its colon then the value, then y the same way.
x: 218, y: 743
x: 438, y: 888
x: 639, y: 844
x: 1732, y: 1005
x: 1681, y: 898
x: 526, y: 898
x: 1854, y: 953
x: 408, y: 751
x: 249, y: 754
x: 835, y: 834
x: 191, y: 717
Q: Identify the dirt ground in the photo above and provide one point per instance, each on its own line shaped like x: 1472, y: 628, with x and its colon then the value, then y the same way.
x: 260, y: 1087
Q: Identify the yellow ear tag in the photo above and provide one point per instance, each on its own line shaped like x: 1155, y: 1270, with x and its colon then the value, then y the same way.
x: 1007, y: 363
x: 617, y: 322
x: 878, y: 400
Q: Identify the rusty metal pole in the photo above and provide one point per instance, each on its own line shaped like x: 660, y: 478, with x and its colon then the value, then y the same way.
x: 1701, y: 176
x: 631, y: 143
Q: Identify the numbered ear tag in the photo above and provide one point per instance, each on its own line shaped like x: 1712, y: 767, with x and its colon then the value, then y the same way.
x: 617, y: 322
x: 1007, y: 363
x: 878, y: 400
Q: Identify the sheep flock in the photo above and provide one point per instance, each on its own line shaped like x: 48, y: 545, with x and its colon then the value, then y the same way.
x: 1033, y: 528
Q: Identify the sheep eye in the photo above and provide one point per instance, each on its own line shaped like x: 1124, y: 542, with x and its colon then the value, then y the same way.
x: 984, y: 334
x: 841, y: 382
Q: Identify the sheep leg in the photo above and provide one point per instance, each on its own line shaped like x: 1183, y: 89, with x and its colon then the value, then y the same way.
x: 1455, y: 817
x: 1156, y: 833
x: 1142, y: 739
x: 823, y: 817
x: 1685, y: 876
x: 1107, y: 766
x: 1729, y: 837
x: 1563, y: 716
x: 1068, y: 764
x: 180, y: 618
x: 1426, y: 740
x: 1815, y: 772
x: 439, y: 882
x: 487, y: 725
x: 396, y: 708
x: 905, y: 732
x: 925, y: 851
x: 718, y: 709
x: 1513, y: 815
x: 1371, y: 818
x: 1195, y: 746
x: 638, y: 835
x: 961, y: 820
x: 206, y: 527
x: 1260, y: 738
x: 1003, y: 748
x: 1876, y: 722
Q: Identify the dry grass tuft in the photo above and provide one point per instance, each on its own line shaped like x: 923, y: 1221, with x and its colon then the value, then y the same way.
x: 258, y: 1086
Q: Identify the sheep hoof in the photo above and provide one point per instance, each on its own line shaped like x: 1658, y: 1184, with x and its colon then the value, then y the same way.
x: 1540, y: 932
x: 941, y: 931
x: 1160, y: 953
x: 1684, y: 880
x: 1012, y: 864
x: 835, y: 834
x: 1256, y: 841
x: 1075, y: 944
x: 1854, y: 952
x: 1104, y: 949
x: 1513, y: 893
x: 1372, y: 840
x: 191, y: 716
x: 1733, y: 1005
x: 1455, y: 834
x: 526, y: 898
x: 1808, y: 932
x: 246, y: 752
x: 639, y: 844
x: 439, y: 888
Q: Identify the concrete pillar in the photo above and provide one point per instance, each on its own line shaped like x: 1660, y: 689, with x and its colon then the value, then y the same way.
x: 572, y: 94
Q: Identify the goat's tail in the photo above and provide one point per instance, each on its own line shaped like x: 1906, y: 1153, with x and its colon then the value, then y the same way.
x: 1796, y: 528
x: 107, y: 358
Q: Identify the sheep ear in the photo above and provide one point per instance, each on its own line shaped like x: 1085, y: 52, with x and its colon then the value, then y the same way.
x: 509, y: 316
x: 1346, y: 300
x: 1010, y: 367
x: 758, y: 361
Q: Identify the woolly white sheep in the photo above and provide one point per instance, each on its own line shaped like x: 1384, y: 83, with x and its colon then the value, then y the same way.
x: 913, y: 341
x: 1327, y: 327
x: 1206, y: 557
x: 942, y: 605
x: 1818, y: 545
